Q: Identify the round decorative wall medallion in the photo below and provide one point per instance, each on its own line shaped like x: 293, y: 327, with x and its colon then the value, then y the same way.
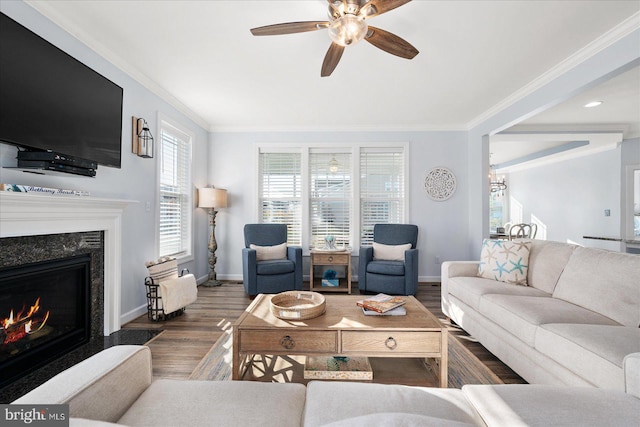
x: 440, y: 184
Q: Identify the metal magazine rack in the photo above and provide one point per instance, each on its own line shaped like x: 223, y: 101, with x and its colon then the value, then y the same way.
x: 155, y: 310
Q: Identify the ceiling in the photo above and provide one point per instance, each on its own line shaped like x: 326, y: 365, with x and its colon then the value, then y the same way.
x: 474, y: 55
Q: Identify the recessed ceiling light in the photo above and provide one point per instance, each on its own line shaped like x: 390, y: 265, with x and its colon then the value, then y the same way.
x: 593, y: 104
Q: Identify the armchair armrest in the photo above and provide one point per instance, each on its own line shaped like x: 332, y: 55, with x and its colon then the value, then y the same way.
x: 411, y: 271
x: 101, y: 387
x: 365, y: 256
x: 294, y: 253
x: 249, y: 273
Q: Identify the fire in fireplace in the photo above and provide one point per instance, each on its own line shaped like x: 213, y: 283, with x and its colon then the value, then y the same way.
x: 44, y: 313
x: 23, y: 327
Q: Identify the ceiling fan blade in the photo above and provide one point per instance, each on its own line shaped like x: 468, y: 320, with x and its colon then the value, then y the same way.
x: 331, y: 59
x: 390, y: 43
x: 289, y: 28
x: 378, y: 7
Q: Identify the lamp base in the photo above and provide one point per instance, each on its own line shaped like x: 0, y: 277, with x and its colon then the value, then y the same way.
x: 212, y: 283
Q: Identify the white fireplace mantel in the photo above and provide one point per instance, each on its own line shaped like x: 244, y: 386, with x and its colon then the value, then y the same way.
x: 32, y: 214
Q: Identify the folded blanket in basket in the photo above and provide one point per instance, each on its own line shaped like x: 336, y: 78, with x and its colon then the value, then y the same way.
x: 164, y: 270
x: 179, y: 292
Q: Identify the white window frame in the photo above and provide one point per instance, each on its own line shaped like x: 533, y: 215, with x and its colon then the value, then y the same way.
x: 355, y: 150
x: 303, y: 184
x: 185, y: 134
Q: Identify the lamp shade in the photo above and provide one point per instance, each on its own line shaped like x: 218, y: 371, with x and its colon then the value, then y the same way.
x: 212, y: 198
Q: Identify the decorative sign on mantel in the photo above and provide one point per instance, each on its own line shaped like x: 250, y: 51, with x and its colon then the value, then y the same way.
x: 18, y: 188
x: 440, y: 184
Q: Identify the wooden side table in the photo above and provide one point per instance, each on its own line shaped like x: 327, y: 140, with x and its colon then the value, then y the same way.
x: 333, y: 258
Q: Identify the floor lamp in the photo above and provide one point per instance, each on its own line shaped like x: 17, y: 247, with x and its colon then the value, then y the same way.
x: 212, y: 198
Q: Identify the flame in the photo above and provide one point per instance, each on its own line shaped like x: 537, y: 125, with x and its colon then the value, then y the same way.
x: 34, y: 308
x: 14, y: 330
x: 8, y: 321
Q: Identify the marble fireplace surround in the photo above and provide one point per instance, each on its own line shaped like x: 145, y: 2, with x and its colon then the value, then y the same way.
x: 28, y: 214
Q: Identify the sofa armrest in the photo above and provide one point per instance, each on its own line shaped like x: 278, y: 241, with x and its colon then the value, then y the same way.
x: 454, y: 269
x: 459, y: 268
x: 631, y: 366
x: 101, y: 387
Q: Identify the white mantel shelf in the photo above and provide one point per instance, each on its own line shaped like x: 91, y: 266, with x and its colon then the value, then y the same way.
x: 32, y: 214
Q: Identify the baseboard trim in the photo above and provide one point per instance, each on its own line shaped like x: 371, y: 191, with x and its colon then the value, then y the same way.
x: 133, y: 314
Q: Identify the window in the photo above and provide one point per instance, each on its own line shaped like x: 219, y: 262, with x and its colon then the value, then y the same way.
x: 316, y: 191
x: 280, y: 192
x: 174, y: 231
x: 382, y: 189
x: 497, y: 212
x: 330, y: 197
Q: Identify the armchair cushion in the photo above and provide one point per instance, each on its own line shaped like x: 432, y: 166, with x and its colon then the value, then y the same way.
x: 265, y: 253
x: 390, y: 268
x: 389, y: 252
x: 275, y: 266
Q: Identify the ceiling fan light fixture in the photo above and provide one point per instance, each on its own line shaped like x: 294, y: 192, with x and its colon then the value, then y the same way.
x: 347, y: 30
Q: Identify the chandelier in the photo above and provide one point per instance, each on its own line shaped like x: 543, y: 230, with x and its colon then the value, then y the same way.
x: 496, y: 185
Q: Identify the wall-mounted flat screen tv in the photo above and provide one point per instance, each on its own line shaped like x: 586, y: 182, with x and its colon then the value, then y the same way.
x: 51, y: 101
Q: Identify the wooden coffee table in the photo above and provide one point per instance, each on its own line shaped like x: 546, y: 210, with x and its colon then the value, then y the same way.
x: 343, y: 330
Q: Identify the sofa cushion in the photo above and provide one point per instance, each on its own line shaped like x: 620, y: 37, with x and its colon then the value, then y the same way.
x: 265, y: 253
x: 86, y: 422
x: 329, y: 402
x: 470, y: 289
x: 390, y: 252
x: 591, y: 351
x: 395, y: 419
x: 94, y: 388
x: 519, y: 405
x: 505, y: 261
x: 389, y: 268
x: 602, y: 281
x: 547, y: 260
x: 521, y: 315
x: 223, y: 403
x: 275, y: 266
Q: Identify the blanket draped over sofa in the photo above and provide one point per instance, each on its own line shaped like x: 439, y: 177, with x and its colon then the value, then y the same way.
x: 573, y: 324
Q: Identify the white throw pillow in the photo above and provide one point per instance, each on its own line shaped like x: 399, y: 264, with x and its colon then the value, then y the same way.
x: 389, y: 252
x: 505, y: 261
x: 265, y: 253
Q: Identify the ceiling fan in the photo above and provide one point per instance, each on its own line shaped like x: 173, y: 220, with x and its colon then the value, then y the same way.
x: 347, y: 26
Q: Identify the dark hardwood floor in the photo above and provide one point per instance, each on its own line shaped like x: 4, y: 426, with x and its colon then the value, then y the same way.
x: 186, y: 339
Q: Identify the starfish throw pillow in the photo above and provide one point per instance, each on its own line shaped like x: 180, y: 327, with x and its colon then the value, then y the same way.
x: 505, y: 261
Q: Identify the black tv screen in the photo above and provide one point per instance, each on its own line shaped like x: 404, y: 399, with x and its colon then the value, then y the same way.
x: 51, y: 101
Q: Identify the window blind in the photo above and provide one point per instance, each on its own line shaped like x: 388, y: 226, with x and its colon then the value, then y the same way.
x: 382, y: 189
x: 280, y: 192
x: 330, y: 195
x: 175, y: 199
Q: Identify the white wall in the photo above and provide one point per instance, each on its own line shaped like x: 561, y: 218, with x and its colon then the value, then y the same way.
x: 136, y: 180
x: 570, y: 198
x: 442, y: 225
x: 586, y: 69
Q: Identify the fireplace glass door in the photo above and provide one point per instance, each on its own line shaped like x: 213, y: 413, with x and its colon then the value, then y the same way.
x: 44, y: 313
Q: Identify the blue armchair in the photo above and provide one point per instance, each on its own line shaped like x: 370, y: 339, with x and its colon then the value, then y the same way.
x: 268, y: 265
x: 385, y: 268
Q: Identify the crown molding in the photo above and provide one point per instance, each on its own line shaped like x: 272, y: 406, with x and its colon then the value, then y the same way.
x: 116, y: 60
x: 612, y: 36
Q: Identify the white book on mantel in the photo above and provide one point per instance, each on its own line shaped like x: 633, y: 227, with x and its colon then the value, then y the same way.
x: 398, y: 311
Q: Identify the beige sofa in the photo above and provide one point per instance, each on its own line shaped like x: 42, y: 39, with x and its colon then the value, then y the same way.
x: 573, y: 324
x: 115, y: 386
